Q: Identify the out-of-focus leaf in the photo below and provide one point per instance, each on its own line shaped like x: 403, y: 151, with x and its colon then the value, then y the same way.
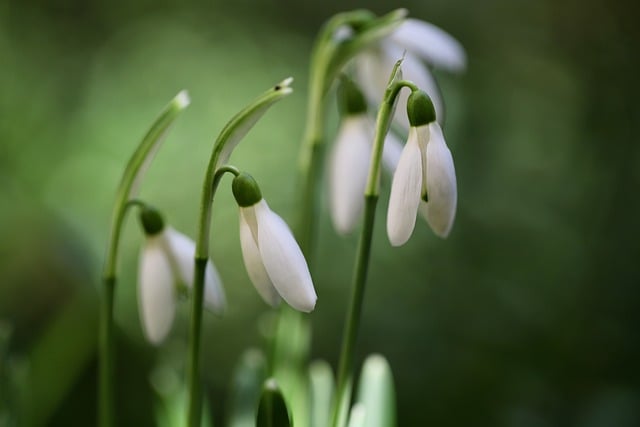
x: 246, y: 386
x: 272, y: 411
x: 357, y: 416
x: 321, y: 386
x: 377, y: 393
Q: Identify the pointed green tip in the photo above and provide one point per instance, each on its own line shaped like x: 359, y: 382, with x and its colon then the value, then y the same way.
x: 272, y: 411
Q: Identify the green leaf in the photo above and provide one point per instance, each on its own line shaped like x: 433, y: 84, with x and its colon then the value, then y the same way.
x: 272, y: 411
x: 246, y: 387
x: 322, y: 388
x: 377, y: 392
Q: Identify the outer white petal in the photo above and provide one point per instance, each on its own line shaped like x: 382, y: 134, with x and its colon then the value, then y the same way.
x: 433, y: 44
x: 156, y: 294
x: 350, y: 160
x: 252, y: 258
x: 182, y: 250
x: 406, y: 190
x: 442, y: 190
x: 283, y: 260
x: 415, y: 70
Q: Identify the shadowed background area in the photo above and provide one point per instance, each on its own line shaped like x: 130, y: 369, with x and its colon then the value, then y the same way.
x: 526, y: 315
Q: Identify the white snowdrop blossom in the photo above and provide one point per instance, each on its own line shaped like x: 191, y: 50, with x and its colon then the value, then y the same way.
x: 421, y: 43
x: 349, y: 167
x: 167, y: 261
x: 425, y: 175
x: 274, y: 262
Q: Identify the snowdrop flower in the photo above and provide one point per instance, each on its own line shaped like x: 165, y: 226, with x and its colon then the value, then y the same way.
x: 423, y: 43
x: 167, y: 262
x: 425, y: 174
x: 273, y: 259
x: 350, y: 158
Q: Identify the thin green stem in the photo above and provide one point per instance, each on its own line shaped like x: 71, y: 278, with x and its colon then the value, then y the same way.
x: 195, y: 326
x: 372, y: 190
x: 350, y: 334
x: 194, y: 410
x: 106, y: 353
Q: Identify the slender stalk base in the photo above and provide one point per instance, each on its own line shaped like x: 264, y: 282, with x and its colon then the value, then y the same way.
x: 106, y: 352
x: 352, y: 324
x: 194, y: 414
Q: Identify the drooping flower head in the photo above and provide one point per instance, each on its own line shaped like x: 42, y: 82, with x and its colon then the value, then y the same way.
x: 274, y: 262
x: 166, y: 265
x: 425, y: 176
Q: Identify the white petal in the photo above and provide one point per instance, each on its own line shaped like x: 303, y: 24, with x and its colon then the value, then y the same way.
x: 283, y: 260
x: 433, y: 44
x: 406, y: 191
x: 442, y: 190
x: 214, y: 298
x: 253, y: 259
x: 156, y: 294
x: 391, y: 152
x: 416, y: 71
x: 372, y: 71
x: 350, y: 159
x: 182, y: 250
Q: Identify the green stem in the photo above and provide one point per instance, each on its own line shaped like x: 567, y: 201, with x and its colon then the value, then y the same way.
x: 350, y: 334
x: 195, y: 326
x: 194, y: 410
x: 372, y: 190
x: 106, y: 353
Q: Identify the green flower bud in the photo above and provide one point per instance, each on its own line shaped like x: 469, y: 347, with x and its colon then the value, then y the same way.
x: 151, y: 221
x: 246, y: 190
x: 350, y: 97
x: 420, y: 109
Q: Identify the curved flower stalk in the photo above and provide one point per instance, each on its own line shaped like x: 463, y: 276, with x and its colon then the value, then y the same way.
x: 421, y: 43
x: 227, y: 140
x: 272, y: 257
x: 425, y: 174
x: 129, y: 183
x: 166, y: 265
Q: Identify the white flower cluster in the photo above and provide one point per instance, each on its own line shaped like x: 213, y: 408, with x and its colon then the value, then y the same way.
x: 424, y: 167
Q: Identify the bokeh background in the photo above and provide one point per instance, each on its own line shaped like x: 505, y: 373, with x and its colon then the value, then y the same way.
x: 526, y: 316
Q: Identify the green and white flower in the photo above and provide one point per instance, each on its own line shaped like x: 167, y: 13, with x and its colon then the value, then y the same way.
x: 274, y: 262
x: 425, y: 175
x: 166, y: 263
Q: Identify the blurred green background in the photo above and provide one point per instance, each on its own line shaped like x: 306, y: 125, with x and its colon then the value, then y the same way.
x: 526, y: 316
